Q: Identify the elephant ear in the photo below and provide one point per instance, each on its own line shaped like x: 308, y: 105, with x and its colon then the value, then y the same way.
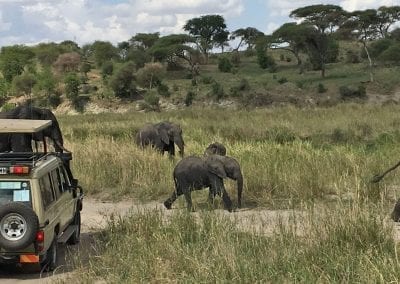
x: 215, y: 166
x: 164, y: 135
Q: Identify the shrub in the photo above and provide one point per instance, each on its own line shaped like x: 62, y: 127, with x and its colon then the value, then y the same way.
x: 377, y: 47
x: 189, y: 98
x: 107, y: 69
x: 217, y: 91
x: 150, y: 75
x: 224, y: 64
x: 122, y: 82
x: 352, y: 92
x: 235, y: 59
x: 163, y: 90
x: 54, y: 100
x: 352, y: 57
x: 321, y: 88
x: 391, y: 55
x: 24, y: 83
x: 207, y: 80
x: 282, y: 80
x: 152, y: 101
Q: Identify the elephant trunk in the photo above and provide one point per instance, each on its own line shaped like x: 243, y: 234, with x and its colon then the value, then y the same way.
x: 239, y: 180
x: 181, y: 145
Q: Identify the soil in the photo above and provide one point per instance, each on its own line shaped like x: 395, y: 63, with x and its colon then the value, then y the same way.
x: 94, y: 213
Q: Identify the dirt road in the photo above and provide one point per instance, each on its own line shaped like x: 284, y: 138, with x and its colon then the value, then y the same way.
x: 94, y: 219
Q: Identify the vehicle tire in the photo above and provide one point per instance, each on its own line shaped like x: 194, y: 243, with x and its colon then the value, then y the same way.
x: 18, y: 226
x: 75, y: 237
x: 51, y: 256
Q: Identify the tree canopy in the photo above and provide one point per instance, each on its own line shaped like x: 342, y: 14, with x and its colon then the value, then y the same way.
x: 206, y: 30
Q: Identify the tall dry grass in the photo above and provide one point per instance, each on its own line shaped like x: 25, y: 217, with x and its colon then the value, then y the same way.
x: 285, y: 154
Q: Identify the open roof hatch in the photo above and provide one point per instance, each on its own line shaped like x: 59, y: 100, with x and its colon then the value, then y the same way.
x: 23, y: 125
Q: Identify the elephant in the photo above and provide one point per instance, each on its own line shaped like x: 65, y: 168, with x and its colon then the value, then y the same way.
x: 215, y: 148
x: 162, y: 136
x: 195, y: 173
x: 396, y: 212
x: 22, y: 142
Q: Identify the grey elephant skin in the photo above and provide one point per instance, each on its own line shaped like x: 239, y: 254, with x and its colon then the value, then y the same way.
x: 23, y: 142
x: 396, y: 212
x: 215, y: 148
x: 195, y: 173
x: 162, y: 136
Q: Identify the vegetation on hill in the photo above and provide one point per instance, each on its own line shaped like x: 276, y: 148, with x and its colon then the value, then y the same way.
x: 333, y: 55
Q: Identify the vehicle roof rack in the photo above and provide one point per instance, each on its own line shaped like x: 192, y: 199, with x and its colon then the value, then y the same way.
x: 30, y: 158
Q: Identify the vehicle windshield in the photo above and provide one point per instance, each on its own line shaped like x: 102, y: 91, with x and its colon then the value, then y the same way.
x: 15, y: 191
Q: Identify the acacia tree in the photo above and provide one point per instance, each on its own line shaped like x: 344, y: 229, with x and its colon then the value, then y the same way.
x: 144, y: 40
x: 364, y: 25
x: 206, y: 30
x: 323, y: 17
x: 170, y: 48
x: 246, y: 36
x: 291, y: 37
x: 386, y: 17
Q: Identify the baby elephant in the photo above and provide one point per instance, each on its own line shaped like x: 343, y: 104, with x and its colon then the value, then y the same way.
x: 215, y: 148
x: 162, y: 136
x: 195, y: 173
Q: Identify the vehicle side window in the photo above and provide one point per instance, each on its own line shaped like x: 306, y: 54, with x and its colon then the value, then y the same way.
x: 63, y: 176
x: 46, y: 189
x: 55, y: 177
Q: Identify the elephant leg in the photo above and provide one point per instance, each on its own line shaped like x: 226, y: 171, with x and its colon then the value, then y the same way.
x: 227, y: 200
x: 177, y: 192
x: 170, y: 200
x: 188, y: 197
x: 218, y: 186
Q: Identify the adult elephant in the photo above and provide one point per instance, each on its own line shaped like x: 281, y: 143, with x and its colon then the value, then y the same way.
x: 23, y: 142
x: 162, y: 136
x: 215, y: 148
x: 195, y: 173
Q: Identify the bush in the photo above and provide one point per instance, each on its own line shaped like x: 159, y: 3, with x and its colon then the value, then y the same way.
x: 391, y: 55
x: 352, y: 92
x: 72, y: 84
x: 224, y: 64
x: 122, y: 82
x: 207, y: 80
x: 150, y: 75
x: 54, y: 100
x: 217, y: 91
x: 163, y: 90
x: 282, y: 80
x: 377, y: 47
x: 352, y: 57
x: 321, y: 88
x: 107, y: 69
x: 189, y: 98
x: 152, y: 101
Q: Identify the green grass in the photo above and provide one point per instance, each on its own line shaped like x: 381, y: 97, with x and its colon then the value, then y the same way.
x: 351, y: 244
x: 304, y: 153
x: 318, y: 160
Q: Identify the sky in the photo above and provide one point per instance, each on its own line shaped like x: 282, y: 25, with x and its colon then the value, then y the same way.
x: 31, y: 22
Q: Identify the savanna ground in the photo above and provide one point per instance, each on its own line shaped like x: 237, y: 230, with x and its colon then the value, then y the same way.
x: 312, y: 165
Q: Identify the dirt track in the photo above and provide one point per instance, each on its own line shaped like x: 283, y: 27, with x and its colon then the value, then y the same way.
x: 93, y: 220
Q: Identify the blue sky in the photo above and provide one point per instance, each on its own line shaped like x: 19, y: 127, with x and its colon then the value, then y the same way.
x: 84, y: 21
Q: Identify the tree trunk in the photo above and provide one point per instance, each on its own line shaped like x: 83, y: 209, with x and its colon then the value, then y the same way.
x: 371, y: 75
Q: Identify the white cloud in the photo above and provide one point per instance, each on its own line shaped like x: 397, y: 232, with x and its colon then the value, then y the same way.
x: 352, y: 5
x: 87, y: 20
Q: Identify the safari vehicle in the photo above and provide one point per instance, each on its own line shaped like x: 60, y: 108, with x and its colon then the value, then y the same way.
x: 40, y: 201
